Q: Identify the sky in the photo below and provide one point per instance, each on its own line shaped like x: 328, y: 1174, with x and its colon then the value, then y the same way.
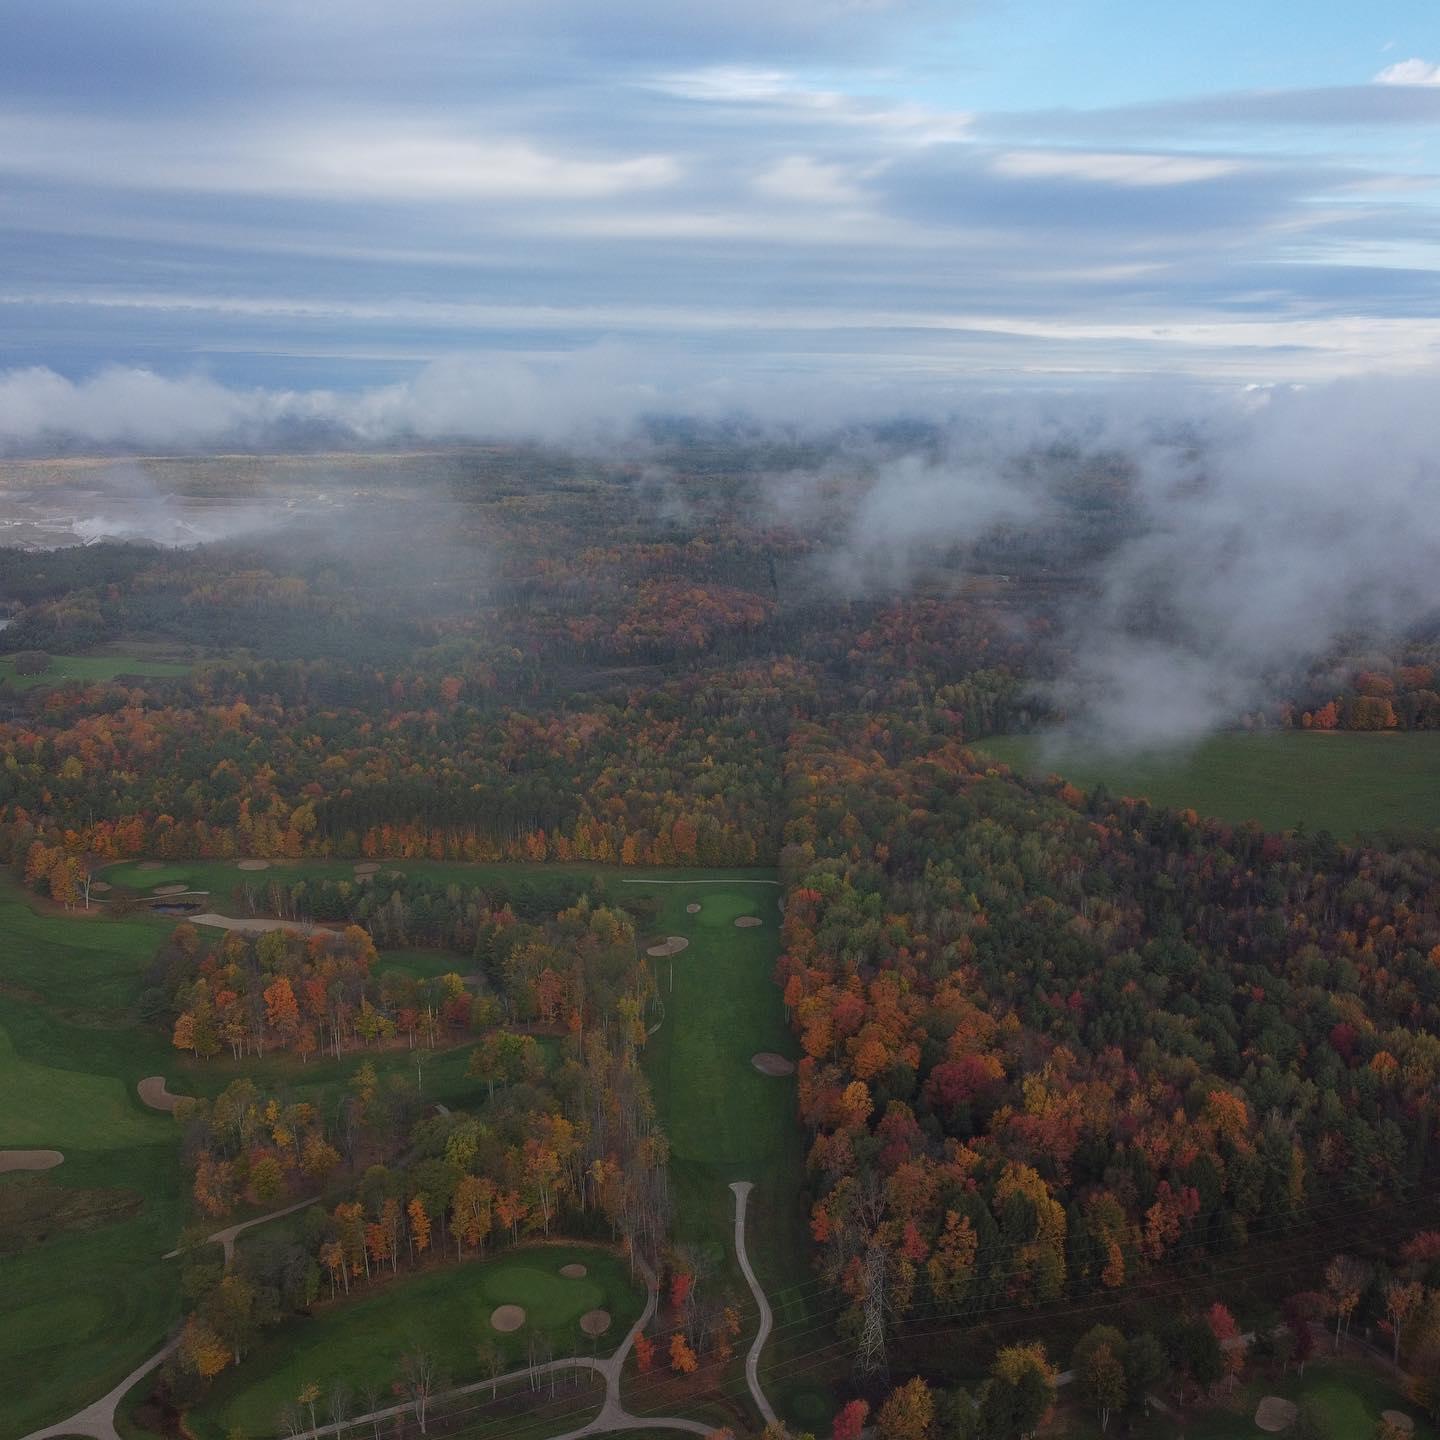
x: 649, y: 202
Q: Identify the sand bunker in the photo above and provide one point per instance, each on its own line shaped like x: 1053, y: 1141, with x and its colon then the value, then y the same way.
x: 255, y: 926
x: 149, y: 865
x: 507, y: 1318
x: 29, y: 1160
x: 169, y: 889
x: 1274, y: 1414
x: 767, y: 1062
x: 156, y: 1096
x: 573, y: 1272
x: 99, y: 887
x: 747, y: 922
x: 370, y: 867
x: 693, y: 908
x: 253, y: 865
x: 595, y: 1322
x: 1399, y: 1419
x: 670, y: 945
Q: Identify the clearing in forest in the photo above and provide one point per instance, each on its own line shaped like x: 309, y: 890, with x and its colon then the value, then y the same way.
x: 1345, y: 782
x: 725, y: 1120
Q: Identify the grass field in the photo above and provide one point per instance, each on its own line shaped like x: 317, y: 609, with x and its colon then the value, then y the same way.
x: 446, y: 1309
x: 87, y: 1304
x: 1344, y: 782
x: 89, y: 667
x: 726, y: 1121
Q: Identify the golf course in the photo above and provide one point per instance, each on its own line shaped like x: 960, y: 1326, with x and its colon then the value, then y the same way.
x: 75, y: 1043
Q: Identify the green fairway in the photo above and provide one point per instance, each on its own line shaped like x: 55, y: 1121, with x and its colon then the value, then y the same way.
x: 1344, y: 782
x: 447, y: 1310
x: 724, y: 1119
x: 63, y: 1109
x: 81, y: 1310
x: 89, y: 667
x: 88, y: 1302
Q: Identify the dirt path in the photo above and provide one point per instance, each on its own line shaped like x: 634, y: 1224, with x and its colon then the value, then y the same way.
x: 742, y: 1189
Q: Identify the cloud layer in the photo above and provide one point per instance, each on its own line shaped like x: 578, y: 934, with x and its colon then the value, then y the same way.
x: 331, y: 197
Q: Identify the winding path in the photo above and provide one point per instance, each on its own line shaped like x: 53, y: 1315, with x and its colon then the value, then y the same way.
x: 742, y: 1189
x: 97, y: 1421
x: 226, y: 1237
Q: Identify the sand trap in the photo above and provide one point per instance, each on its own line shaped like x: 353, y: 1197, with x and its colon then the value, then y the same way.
x: 253, y: 865
x: 693, y: 908
x: 156, y: 1096
x: 256, y: 926
x: 747, y: 922
x: 573, y: 1272
x: 169, y: 889
x: 1274, y: 1414
x: 370, y: 867
x: 670, y: 945
x: 148, y: 865
x: 507, y: 1318
x: 29, y: 1160
x: 595, y: 1322
x: 1399, y: 1419
x: 99, y: 887
x: 767, y: 1062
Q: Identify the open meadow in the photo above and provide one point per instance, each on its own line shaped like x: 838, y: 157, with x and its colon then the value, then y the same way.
x: 90, y: 668
x: 1348, y: 783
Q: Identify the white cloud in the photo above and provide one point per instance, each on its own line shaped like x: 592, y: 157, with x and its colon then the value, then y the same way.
x: 799, y: 179
x: 780, y: 89
x: 364, y: 160
x: 1111, y: 167
x: 1409, y: 72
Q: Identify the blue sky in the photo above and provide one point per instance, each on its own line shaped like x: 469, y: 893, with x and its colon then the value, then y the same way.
x: 648, y: 202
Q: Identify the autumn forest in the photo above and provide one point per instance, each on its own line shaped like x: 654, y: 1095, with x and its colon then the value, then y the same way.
x: 451, y: 853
